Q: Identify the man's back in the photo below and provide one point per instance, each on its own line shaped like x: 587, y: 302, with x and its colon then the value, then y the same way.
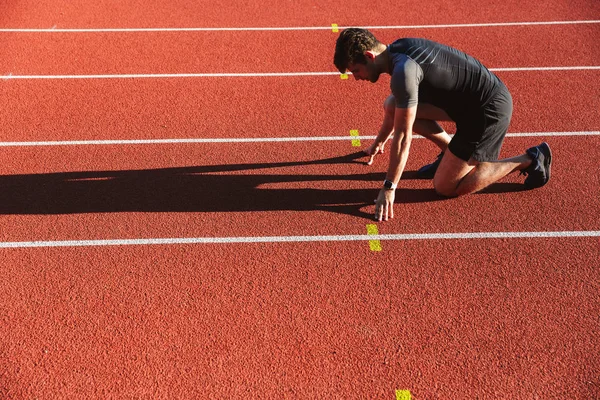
x: 446, y: 77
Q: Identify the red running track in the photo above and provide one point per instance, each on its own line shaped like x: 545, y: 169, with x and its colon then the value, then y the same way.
x: 253, y: 52
x: 204, y: 13
x: 449, y: 319
x: 287, y: 189
x: 456, y: 318
x: 260, y: 107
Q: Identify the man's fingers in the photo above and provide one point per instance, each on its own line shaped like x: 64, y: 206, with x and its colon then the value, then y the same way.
x: 381, y: 212
x: 384, y: 211
x: 378, y: 212
x: 379, y: 151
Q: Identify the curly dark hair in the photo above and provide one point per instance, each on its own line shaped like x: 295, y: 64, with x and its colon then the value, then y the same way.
x: 350, y: 47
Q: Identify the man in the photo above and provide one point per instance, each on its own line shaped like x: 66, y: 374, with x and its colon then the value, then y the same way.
x: 432, y: 82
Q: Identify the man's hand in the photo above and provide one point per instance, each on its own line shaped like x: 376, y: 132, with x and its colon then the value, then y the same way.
x: 373, y: 150
x: 384, y: 205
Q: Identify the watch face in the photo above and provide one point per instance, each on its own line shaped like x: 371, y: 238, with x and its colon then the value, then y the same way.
x: 388, y: 184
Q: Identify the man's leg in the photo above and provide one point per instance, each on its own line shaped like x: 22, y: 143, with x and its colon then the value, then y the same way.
x: 425, y: 125
x: 433, y: 131
x: 456, y: 177
x: 428, y: 128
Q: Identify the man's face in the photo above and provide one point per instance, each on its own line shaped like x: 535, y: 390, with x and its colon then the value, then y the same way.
x: 364, y: 72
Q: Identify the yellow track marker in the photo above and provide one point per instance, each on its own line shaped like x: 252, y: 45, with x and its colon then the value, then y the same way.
x: 403, y: 395
x: 334, y: 28
x: 374, y: 245
x: 344, y: 76
x: 355, y: 142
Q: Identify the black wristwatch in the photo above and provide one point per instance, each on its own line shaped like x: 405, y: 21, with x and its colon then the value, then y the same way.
x: 389, y: 185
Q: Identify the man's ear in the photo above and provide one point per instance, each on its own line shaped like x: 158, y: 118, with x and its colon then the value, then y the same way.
x: 370, y: 55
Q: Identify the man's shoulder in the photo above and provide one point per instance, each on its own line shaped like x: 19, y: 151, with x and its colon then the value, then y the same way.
x: 402, y: 65
x: 406, y: 77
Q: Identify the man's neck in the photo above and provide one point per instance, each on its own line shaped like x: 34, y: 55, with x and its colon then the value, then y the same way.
x: 383, y: 59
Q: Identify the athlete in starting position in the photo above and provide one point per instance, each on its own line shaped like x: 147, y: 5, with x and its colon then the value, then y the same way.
x: 433, y: 82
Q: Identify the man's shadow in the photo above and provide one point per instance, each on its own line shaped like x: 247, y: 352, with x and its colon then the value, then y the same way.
x: 212, y: 188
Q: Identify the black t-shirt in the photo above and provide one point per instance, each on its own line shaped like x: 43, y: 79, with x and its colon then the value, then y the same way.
x: 429, y: 72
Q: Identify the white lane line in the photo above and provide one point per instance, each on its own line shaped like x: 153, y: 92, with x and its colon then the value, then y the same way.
x: 573, y: 68
x: 299, y: 239
x: 251, y: 140
x: 185, y: 75
x: 484, y: 25
x: 289, y: 28
x: 260, y: 74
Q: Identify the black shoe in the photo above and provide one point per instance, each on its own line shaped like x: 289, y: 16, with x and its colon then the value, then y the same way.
x: 428, y: 171
x: 538, y: 173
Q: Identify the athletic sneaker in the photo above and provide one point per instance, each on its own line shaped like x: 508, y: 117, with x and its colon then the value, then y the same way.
x: 428, y: 171
x: 538, y: 173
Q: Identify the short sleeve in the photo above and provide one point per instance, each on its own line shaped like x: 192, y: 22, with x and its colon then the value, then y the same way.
x: 406, y: 77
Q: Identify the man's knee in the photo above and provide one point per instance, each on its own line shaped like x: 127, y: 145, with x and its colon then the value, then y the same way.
x: 451, y: 174
x: 453, y: 188
x: 443, y: 189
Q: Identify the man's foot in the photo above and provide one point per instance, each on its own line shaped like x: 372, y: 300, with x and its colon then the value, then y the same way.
x: 428, y: 171
x: 538, y: 173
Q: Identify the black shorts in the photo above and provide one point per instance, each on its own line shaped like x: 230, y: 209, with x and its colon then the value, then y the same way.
x: 480, y: 134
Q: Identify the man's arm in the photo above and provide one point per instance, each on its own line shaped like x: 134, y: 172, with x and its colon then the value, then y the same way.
x: 385, y: 131
x: 403, y: 124
x: 404, y: 119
